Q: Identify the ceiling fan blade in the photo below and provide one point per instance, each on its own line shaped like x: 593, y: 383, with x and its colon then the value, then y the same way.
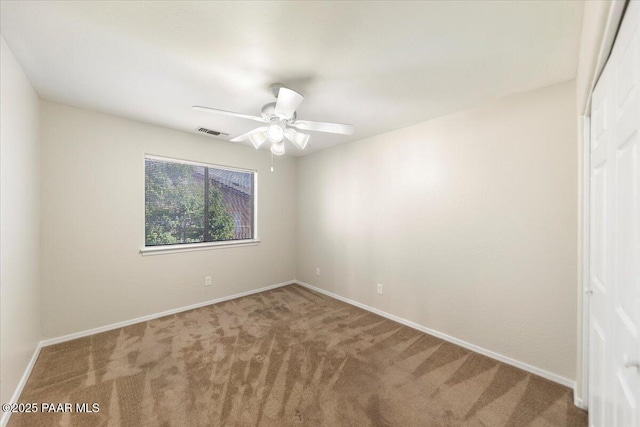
x: 245, y: 136
x: 323, y: 127
x: 229, y: 113
x: 298, y: 139
x: 288, y: 102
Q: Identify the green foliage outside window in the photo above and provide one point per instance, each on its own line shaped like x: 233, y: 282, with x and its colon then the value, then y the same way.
x: 175, y: 204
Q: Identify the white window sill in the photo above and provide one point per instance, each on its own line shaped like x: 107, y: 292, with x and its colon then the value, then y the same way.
x: 190, y: 247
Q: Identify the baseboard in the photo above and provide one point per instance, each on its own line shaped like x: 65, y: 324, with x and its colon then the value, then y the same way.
x: 578, y: 402
x: 118, y: 325
x: 518, y: 364
x: 23, y: 381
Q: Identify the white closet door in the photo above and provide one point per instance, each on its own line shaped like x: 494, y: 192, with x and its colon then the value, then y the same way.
x: 600, y: 411
x: 614, y: 335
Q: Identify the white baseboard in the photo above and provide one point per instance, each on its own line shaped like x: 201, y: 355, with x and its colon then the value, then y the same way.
x: 23, y: 381
x: 578, y: 402
x: 112, y: 326
x: 518, y: 364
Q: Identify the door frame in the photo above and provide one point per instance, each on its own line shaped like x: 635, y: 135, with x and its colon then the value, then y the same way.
x: 581, y: 397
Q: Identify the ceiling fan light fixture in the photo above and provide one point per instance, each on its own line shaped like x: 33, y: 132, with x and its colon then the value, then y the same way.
x: 277, y: 148
x: 258, y: 138
x: 298, y: 139
x: 275, y: 132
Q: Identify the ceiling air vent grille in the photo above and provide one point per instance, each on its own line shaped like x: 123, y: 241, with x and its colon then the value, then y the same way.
x: 211, y: 132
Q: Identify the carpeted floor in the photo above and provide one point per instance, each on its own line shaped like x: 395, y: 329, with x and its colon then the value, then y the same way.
x: 285, y: 357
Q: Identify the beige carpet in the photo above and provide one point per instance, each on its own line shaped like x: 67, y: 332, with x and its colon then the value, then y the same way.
x: 285, y: 357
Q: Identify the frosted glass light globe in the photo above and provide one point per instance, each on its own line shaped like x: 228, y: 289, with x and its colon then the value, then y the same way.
x: 277, y: 148
x: 275, y: 133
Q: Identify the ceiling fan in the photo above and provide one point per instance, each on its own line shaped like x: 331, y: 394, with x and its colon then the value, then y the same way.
x: 281, y: 122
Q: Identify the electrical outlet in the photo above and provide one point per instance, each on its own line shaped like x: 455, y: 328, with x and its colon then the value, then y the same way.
x: 317, y: 271
x: 379, y: 286
x: 207, y: 281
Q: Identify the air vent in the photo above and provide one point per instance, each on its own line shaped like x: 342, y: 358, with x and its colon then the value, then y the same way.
x: 212, y: 132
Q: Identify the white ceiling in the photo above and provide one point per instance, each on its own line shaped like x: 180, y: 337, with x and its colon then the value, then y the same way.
x: 377, y: 65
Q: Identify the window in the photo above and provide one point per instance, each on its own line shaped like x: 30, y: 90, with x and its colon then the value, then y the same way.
x: 188, y: 203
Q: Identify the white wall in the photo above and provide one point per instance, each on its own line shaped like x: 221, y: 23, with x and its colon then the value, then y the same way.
x: 93, y: 223
x: 468, y: 220
x: 19, y: 223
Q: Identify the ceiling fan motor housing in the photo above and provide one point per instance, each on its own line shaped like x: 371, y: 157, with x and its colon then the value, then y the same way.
x: 269, y: 112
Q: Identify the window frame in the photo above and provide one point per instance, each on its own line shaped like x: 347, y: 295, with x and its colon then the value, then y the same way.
x: 188, y: 247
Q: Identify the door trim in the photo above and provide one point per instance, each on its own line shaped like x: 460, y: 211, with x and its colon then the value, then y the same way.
x: 581, y: 397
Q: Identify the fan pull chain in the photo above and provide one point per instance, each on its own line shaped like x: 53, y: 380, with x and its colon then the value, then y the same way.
x: 272, y: 161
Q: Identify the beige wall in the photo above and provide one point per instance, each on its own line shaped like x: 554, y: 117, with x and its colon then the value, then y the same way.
x: 93, y: 223
x: 468, y: 220
x: 19, y: 224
